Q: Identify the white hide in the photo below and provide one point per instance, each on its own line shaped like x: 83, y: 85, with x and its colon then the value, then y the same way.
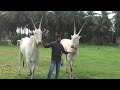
x: 72, y: 45
x: 29, y: 49
x: 67, y: 43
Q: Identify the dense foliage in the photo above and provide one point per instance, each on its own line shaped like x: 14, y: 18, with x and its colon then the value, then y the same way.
x: 97, y: 30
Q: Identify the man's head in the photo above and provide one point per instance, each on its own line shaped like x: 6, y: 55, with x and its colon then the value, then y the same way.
x: 58, y: 38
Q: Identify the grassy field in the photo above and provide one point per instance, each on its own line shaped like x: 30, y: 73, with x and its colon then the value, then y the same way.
x: 93, y: 62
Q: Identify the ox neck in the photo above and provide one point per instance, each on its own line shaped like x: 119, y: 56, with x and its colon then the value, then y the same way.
x: 76, y: 44
x: 33, y: 43
x: 36, y: 45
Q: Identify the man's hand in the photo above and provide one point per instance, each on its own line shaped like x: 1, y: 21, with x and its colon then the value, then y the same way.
x: 73, y: 52
x: 73, y: 46
x: 44, y: 43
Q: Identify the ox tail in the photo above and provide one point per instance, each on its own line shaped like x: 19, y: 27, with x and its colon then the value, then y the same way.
x: 23, y: 64
x: 62, y: 63
x: 66, y: 57
x: 18, y: 42
x: 62, y: 60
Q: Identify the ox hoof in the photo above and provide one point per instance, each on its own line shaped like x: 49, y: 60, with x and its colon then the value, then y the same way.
x: 71, y: 77
x: 18, y: 73
x: 29, y: 74
x: 31, y: 77
x: 66, y: 70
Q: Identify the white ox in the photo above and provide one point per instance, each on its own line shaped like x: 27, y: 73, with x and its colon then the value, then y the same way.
x: 72, y: 45
x: 29, y: 49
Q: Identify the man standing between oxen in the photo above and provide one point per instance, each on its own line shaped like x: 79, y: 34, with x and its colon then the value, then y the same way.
x: 57, y: 50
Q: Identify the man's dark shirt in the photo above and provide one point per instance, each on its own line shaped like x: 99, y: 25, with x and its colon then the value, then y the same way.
x: 57, y: 50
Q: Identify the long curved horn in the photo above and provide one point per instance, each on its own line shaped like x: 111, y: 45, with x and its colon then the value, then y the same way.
x: 82, y: 27
x: 74, y: 28
x: 33, y: 23
x: 40, y: 23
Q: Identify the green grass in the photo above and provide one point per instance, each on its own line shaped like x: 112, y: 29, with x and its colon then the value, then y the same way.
x: 92, y: 62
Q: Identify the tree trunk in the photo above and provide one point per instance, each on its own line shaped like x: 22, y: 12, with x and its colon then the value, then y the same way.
x: 28, y: 32
x: 112, y: 36
x: 0, y: 36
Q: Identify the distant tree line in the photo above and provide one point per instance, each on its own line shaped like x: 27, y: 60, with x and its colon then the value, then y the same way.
x: 99, y: 29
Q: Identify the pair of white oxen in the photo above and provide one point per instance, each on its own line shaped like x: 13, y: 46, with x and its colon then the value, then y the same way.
x: 28, y: 48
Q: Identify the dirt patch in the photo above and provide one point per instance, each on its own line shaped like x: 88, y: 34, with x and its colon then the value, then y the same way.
x: 5, y: 67
x: 1, y: 54
x: 7, y: 53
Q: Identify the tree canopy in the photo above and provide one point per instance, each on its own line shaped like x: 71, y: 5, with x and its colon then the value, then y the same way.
x: 96, y: 30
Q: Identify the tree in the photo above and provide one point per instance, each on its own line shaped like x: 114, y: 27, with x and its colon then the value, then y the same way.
x: 96, y: 29
x: 89, y: 35
x: 101, y: 27
x: 117, y: 23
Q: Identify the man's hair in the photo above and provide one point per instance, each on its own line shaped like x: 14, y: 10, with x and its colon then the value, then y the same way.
x: 57, y: 36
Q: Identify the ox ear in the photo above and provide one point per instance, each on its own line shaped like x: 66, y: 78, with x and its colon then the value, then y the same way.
x: 33, y: 32
x: 45, y: 31
x: 79, y: 37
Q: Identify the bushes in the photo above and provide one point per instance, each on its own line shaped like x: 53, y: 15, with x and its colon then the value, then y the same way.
x: 14, y: 38
x: 3, y: 43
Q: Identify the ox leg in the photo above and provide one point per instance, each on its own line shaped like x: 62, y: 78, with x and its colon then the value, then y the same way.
x: 62, y: 60
x: 23, y: 63
x: 66, y: 69
x: 20, y: 61
x: 32, y: 70
x: 71, y: 72
x: 71, y: 69
x: 29, y: 68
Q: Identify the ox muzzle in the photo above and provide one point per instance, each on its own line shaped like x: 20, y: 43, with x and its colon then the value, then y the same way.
x: 74, y: 46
